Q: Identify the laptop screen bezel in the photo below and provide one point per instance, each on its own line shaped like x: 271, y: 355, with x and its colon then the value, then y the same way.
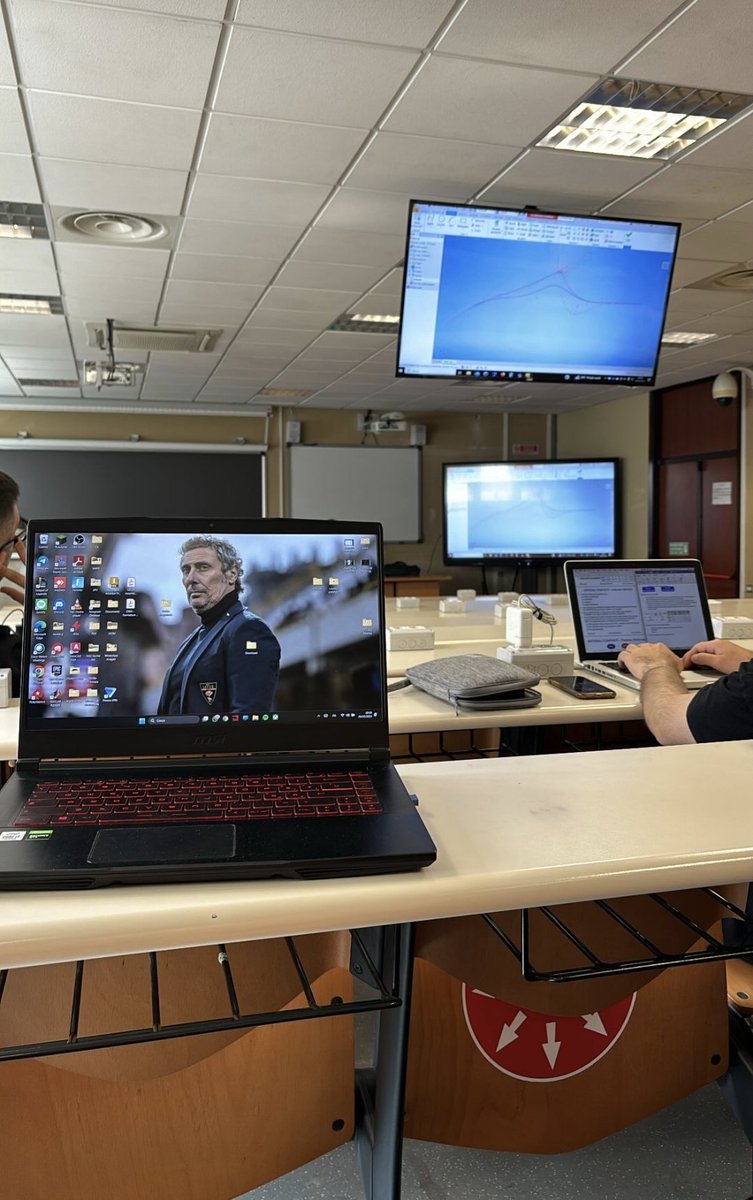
x: 58, y: 740
x: 636, y: 564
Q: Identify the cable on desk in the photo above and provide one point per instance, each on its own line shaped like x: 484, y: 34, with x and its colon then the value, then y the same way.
x: 539, y: 614
x: 76, y: 1002
x: 232, y: 995
x: 154, y: 985
x: 305, y: 982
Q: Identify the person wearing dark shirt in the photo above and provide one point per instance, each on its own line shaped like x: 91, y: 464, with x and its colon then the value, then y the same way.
x: 12, y: 537
x: 720, y: 712
x: 230, y: 663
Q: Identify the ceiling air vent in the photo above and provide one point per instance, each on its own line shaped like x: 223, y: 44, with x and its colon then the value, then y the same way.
x: 115, y: 228
x: 49, y: 383
x: 735, y: 279
x: 148, y: 337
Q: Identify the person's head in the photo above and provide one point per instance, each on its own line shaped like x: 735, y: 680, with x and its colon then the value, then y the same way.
x: 210, y: 568
x: 10, y: 519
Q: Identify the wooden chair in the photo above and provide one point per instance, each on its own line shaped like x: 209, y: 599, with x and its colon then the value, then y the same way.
x: 199, y: 1118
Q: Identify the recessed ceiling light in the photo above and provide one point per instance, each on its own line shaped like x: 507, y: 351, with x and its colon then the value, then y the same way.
x: 22, y: 220
x: 279, y: 393
x: 679, y: 338
x: 366, y: 323
x: 35, y: 306
x: 631, y: 118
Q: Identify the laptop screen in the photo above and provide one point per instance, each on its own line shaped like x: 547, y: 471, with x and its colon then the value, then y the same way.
x: 274, y: 630
x: 652, y: 601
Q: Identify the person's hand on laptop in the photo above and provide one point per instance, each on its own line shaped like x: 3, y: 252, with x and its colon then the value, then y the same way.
x: 724, y: 656
x: 639, y: 659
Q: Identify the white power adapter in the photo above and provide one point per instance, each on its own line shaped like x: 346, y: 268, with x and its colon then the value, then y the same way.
x: 407, y: 602
x: 5, y: 684
x: 466, y: 593
x: 546, y: 661
x: 519, y: 626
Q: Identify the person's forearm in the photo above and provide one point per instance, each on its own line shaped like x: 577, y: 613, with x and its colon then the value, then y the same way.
x: 665, y: 702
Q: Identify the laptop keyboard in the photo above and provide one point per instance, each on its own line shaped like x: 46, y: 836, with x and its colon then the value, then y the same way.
x: 201, y: 798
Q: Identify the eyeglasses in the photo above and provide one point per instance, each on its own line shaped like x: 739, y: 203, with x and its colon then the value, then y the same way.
x: 18, y: 536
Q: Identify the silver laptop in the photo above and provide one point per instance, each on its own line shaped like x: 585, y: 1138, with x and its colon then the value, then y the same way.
x: 616, y: 602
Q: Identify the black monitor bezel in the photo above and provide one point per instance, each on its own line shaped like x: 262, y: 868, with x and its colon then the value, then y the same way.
x: 532, y: 559
x: 534, y: 377
x: 56, y: 741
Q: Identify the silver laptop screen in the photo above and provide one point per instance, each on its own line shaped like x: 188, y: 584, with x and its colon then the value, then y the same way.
x: 618, y: 605
x: 170, y: 629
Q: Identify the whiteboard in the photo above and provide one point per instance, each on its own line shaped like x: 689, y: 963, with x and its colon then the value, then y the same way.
x: 359, y: 483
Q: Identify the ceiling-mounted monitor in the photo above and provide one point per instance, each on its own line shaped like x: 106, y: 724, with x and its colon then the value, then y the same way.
x: 499, y: 295
x: 531, y: 512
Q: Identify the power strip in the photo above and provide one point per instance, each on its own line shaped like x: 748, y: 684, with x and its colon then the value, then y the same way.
x: 466, y: 593
x: 733, y: 627
x: 410, y: 637
x: 544, y: 660
x: 407, y: 602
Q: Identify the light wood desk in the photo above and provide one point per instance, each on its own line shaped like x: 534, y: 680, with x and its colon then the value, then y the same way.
x: 509, y: 833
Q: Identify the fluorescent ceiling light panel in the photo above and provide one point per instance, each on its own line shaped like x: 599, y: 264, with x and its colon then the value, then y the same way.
x: 687, y: 339
x: 36, y: 306
x: 634, y: 119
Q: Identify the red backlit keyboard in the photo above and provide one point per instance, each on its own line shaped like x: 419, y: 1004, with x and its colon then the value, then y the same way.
x: 199, y: 798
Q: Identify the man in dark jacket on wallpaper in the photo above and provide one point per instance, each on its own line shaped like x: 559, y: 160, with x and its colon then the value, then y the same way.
x: 230, y: 663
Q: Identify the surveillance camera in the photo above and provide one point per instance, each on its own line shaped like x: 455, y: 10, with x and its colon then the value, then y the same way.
x: 724, y: 389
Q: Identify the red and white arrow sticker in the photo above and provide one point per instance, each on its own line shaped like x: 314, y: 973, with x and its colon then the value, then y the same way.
x: 539, y: 1047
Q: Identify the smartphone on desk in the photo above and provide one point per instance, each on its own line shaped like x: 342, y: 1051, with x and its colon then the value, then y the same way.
x: 581, y: 687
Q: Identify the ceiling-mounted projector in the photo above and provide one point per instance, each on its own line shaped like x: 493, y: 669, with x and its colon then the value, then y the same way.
x: 99, y: 375
x: 391, y: 422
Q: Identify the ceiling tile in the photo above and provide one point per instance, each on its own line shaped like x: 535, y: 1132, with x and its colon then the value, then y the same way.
x: 109, y: 131
x: 220, y: 295
x: 706, y: 47
x: 13, y: 139
x: 77, y: 259
x: 253, y: 147
x: 236, y: 238
x: 217, y: 196
x: 40, y: 282
x: 266, y: 316
x: 122, y: 55
x: 525, y: 101
x: 730, y: 148
x: 212, y: 10
x: 309, y: 300
x: 557, y: 178
x: 586, y: 35
x: 20, y: 330
x: 191, y: 315
x: 298, y: 78
x: 94, y: 308
x: 705, y: 191
x: 22, y: 254
x: 7, y: 70
x: 358, y: 249
x: 97, y: 185
x: 17, y: 179
x: 720, y: 240
x: 328, y: 275
x: 372, y: 212
x: 222, y: 268
x: 690, y: 270
x: 100, y: 288
x: 406, y: 163
x: 391, y: 22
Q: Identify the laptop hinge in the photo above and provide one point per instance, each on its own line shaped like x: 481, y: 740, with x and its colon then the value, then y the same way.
x: 172, y: 761
x: 27, y: 764
x: 379, y: 754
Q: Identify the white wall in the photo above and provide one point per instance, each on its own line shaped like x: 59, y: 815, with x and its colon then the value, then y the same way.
x: 619, y: 429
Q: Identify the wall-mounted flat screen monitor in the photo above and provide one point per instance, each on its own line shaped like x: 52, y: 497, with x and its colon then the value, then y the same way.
x: 531, y: 511
x: 501, y: 295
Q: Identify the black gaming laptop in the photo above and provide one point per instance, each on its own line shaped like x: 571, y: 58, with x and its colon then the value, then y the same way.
x: 204, y: 701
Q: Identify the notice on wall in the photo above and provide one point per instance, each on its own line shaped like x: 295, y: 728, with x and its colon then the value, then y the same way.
x: 679, y: 549
x: 721, y: 493
x: 526, y: 450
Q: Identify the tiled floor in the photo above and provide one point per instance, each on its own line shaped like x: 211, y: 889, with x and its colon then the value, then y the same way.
x: 694, y: 1150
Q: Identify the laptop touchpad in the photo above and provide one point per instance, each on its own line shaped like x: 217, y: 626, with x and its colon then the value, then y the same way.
x: 162, y: 844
